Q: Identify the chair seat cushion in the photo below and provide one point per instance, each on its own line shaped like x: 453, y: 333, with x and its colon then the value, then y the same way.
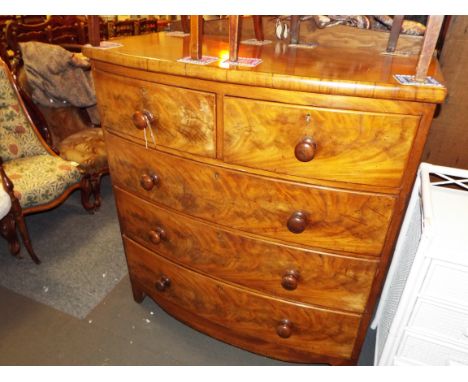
x: 5, y: 202
x: 40, y: 179
x: 86, y: 147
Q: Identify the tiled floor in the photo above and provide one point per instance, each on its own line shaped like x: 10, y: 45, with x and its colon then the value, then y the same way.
x: 118, y: 332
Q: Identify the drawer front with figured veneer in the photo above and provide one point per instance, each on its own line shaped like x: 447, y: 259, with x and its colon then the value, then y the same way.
x: 244, y: 318
x: 169, y: 116
x: 330, y: 144
x: 293, y: 212
x: 281, y: 270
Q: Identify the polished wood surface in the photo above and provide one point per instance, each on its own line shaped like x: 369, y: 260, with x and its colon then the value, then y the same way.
x: 339, y: 220
x: 289, y: 202
x: 178, y: 118
x: 346, y: 71
x: 286, y: 271
x: 377, y: 144
x: 311, y: 330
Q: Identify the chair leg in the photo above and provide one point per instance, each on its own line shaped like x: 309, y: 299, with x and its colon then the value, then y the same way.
x: 96, y: 189
x: 8, y: 231
x: 23, y: 230
x: 8, y: 227
x: 86, y: 191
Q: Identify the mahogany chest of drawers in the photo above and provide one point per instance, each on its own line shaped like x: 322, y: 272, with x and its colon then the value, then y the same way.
x: 260, y: 205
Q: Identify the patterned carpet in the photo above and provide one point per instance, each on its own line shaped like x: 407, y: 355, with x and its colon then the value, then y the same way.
x: 82, y: 256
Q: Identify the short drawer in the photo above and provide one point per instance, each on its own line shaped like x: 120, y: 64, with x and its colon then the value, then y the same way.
x: 281, y: 270
x: 250, y: 320
x: 440, y: 321
x: 182, y: 119
x: 337, y: 145
x: 313, y: 216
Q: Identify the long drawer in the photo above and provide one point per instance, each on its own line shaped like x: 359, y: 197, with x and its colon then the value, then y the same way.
x: 338, y: 145
x: 285, y: 271
x: 182, y: 119
x: 293, y: 212
x: 250, y: 320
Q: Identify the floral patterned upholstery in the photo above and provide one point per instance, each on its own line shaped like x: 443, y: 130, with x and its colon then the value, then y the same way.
x: 40, y: 179
x: 17, y: 138
x: 86, y: 147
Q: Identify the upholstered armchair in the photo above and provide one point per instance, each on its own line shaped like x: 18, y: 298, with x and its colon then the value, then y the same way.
x: 35, y: 178
x: 67, y: 128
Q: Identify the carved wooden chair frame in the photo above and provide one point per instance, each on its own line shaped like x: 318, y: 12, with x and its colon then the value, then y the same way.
x: 73, y: 38
x: 17, y: 213
x: 14, y: 220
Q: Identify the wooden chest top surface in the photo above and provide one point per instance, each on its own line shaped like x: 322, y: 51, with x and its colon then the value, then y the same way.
x: 352, y: 69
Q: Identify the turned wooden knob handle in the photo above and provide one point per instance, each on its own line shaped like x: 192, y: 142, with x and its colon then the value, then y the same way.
x: 148, y: 181
x: 305, y: 149
x: 297, y: 222
x: 290, y: 280
x: 284, y: 329
x: 163, y: 283
x: 141, y: 119
x: 156, y: 235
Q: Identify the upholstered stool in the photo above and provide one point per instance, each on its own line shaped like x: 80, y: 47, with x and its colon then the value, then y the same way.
x: 87, y: 148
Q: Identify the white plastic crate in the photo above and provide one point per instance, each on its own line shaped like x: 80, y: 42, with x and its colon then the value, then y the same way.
x: 429, y: 269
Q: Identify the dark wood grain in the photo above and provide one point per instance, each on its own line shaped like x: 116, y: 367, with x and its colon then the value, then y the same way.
x: 275, y: 217
x: 312, y: 331
x: 338, y: 220
x: 377, y: 144
x: 321, y: 279
x: 181, y: 119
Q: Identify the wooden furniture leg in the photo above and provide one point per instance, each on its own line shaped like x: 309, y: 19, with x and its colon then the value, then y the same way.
x: 196, y: 37
x: 185, y: 24
x: 96, y: 189
x: 395, y: 33
x: 434, y: 24
x: 14, y: 219
x: 86, y: 192
x: 258, y: 27
x: 23, y: 230
x: 94, y: 30
x: 8, y: 231
x: 234, y: 34
x: 295, y: 29
x: 138, y: 294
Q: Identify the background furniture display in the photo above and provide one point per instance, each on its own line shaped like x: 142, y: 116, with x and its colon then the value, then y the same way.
x: 39, y: 178
x: 68, y: 129
x: 261, y: 205
x: 422, y: 317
